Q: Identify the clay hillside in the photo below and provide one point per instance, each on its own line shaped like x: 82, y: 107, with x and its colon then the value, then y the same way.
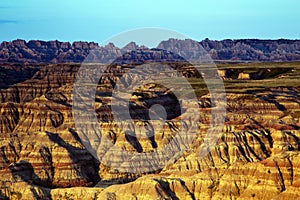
x: 256, y: 155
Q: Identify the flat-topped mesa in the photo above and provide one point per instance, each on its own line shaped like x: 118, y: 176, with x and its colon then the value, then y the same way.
x: 254, y: 74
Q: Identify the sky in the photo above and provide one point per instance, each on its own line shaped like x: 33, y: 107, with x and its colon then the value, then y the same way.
x: 98, y: 20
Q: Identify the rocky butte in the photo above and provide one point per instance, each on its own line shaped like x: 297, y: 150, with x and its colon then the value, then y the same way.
x: 256, y: 155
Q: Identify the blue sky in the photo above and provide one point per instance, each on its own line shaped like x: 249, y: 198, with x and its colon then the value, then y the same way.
x: 97, y: 20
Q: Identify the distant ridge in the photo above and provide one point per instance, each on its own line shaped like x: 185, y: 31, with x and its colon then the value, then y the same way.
x: 35, y: 51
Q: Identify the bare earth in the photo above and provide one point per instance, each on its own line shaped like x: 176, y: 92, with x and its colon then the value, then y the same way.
x: 256, y: 156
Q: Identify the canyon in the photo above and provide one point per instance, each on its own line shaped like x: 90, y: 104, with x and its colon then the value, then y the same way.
x: 256, y: 154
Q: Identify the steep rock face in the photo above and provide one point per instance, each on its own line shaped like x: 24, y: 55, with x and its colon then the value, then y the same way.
x: 50, y: 160
x: 10, y: 151
x: 38, y: 116
x: 35, y: 51
x: 252, y: 49
x: 30, y: 152
x: 9, y: 116
x: 256, y: 156
x: 13, y: 73
x: 47, y: 78
x: 40, y: 51
x: 244, y: 49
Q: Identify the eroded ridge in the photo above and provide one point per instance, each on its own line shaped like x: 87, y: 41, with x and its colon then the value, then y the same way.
x: 256, y: 156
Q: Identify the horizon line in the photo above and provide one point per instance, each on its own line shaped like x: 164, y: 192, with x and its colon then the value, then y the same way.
x: 99, y: 43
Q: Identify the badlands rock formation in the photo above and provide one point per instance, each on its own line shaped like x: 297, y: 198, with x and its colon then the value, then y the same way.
x: 256, y: 156
x: 36, y: 51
